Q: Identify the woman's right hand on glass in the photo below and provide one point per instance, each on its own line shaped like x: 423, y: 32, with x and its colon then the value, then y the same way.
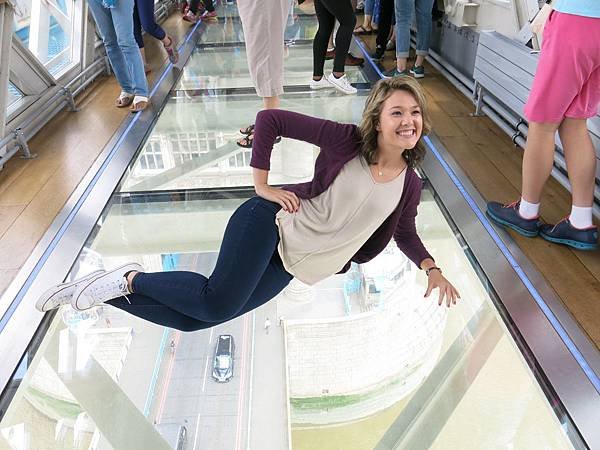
x: 288, y: 200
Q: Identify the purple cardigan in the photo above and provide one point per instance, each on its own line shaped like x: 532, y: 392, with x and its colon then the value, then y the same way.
x: 339, y: 144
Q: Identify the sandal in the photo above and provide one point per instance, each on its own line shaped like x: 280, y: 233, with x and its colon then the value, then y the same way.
x: 139, y: 103
x: 248, y: 130
x: 362, y: 30
x: 172, y: 51
x: 246, y: 141
x: 125, y: 99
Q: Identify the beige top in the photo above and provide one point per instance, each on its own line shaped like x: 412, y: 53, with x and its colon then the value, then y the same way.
x: 318, y: 240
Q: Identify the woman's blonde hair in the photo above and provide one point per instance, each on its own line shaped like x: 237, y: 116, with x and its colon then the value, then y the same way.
x: 370, y: 119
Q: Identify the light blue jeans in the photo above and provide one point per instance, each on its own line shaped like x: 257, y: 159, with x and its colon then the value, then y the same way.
x: 116, y: 28
x: 404, y: 14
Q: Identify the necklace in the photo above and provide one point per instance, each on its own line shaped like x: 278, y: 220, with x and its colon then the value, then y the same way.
x: 380, y: 171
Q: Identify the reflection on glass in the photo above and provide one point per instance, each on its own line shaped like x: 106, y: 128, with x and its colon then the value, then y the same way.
x: 360, y: 357
x: 193, y: 144
x: 14, y: 94
x: 46, y: 29
x: 219, y: 68
x: 229, y: 28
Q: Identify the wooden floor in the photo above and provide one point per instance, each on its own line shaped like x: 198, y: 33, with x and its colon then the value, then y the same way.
x: 32, y: 192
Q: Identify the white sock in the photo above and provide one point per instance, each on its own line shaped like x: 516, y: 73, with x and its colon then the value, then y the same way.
x: 581, y: 217
x: 529, y: 210
x: 331, y: 49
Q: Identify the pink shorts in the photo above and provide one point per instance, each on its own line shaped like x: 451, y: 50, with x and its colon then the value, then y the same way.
x: 567, y: 79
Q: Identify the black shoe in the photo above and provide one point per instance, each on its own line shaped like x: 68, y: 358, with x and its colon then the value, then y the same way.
x: 379, y: 53
x: 565, y: 233
x: 508, y: 215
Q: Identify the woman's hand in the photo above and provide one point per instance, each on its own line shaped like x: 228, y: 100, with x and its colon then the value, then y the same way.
x: 288, y: 200
x: 447, y: 291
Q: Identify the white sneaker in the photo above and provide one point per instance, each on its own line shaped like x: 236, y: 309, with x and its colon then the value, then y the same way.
x: 61, y: 294
x: 341, y: 84
x: 321, y: 84
x: 111, y: 284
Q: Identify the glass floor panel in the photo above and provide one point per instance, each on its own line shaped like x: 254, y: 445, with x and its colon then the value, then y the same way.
x: 226, y: 67
x: 228, y: 29
x: 357, y: 360
x: 193, y: 144
x: 361, y: 349
x: 229, y: 9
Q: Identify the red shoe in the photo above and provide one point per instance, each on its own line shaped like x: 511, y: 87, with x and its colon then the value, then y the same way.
x: 209, y: 15
x: 190, y: 17
x: 352, y: 60
x: 330, y: 54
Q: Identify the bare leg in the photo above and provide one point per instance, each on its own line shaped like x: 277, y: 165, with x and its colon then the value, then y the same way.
x: 401, y: 64
x: 271, y: 102
x: 581, y: 160
x: 419, y: 61
x: 366, y: 25
x: 538, y: 159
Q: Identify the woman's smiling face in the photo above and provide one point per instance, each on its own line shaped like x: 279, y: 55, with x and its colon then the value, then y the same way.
x: 400, y: 121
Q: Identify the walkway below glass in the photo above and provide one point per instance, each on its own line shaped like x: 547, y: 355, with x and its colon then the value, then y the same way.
x: 358, y: 361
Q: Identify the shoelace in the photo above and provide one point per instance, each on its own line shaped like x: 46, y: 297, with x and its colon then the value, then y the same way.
x: 105, y: 290
x: 343, y: 80
x: 558, y: 223
x: 511, y: 204
x: 123, y: 289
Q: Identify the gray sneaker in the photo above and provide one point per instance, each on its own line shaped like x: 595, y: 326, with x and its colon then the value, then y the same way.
x: 418, y: 71
x: 62, y: 294
x: 107, y: 286
x: 395, y: 73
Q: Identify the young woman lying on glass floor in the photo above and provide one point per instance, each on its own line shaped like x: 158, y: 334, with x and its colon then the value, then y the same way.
x: 364, y: 193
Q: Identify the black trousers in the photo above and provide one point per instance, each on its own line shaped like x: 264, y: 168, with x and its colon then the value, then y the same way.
x: 327, y: 12
x: 386, y: 15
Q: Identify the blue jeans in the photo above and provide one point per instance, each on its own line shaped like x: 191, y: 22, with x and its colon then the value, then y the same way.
x: 116, y: 28
x: 369, y: 5
x: 248, y: 273
x: 404, y: 15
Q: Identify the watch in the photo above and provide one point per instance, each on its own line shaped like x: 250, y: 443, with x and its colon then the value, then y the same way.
x: 432, y: 268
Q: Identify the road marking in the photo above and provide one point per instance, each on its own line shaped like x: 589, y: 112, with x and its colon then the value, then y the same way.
x: 205, y: 373
x: 167, y: 379
x: 238, y: 433
x: 196, y: 434
x: 155, y: 372
x: 207, y: 357
x: 251, y: 379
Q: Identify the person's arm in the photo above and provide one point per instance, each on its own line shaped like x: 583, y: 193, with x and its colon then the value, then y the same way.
x: 409, y: 242
x: 271, y: 123
x: 405, y: 235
